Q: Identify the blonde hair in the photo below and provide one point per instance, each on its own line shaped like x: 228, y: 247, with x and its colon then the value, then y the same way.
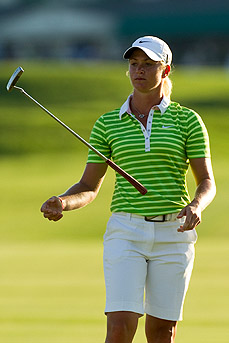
x: 167, y: 87
x: 167, y: 84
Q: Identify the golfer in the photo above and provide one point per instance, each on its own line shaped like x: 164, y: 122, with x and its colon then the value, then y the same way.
x: 149, y: 240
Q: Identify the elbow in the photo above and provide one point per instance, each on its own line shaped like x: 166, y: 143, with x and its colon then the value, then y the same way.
x: 88, y: 191
x: 214, y: 189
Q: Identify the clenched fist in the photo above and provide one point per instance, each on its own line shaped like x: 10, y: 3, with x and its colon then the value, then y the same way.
x: 52, y: 209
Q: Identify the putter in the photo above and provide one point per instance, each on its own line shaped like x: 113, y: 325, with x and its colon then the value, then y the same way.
x: 11, y: 85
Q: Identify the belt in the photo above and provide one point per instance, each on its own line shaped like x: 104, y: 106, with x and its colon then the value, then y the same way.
x: 160, y: 218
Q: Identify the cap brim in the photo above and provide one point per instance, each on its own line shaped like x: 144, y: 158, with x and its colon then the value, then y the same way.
x: 152, y: 55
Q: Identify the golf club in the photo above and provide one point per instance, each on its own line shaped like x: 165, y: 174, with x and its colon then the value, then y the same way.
x: 11, y: 85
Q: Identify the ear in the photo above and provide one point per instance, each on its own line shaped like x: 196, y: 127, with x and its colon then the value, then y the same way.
x: 166, y: 71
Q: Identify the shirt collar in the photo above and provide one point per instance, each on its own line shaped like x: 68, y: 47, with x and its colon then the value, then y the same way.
x: 125, y: 108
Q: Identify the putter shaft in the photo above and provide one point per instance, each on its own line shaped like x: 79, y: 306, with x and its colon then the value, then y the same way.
x: 11, y: 84
x: 61, y: 123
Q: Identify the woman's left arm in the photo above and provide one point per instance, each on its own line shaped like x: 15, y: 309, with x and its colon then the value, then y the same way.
x: 205, y: 193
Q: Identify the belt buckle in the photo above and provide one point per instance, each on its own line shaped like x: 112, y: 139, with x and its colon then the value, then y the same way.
x: 152, y: 220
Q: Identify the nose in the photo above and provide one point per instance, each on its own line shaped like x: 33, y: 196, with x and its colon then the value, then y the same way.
x: 140, y: 69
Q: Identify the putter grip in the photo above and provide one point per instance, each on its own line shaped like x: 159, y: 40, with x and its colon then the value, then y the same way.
x: 127, y: 176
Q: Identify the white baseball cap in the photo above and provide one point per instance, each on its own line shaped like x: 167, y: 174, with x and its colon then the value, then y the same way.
x: 155, y: 48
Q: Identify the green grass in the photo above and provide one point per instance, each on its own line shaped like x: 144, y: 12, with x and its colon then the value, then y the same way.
x: 51, y: 284
x: 39, y: 158
x: 54, y: 292
x: 40, y: 288
x: 29, y: 181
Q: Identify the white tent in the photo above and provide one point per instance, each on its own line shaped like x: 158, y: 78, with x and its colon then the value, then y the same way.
x: 56, y: 27
x: 46, y: 24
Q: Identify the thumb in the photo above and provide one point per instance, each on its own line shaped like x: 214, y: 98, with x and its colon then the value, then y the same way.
x: 182, y: 213
x: 52, y: 199
x: 48, y: 203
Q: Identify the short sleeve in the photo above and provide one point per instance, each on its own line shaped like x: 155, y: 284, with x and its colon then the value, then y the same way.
x: 197, y: 144
x: 98, y: 140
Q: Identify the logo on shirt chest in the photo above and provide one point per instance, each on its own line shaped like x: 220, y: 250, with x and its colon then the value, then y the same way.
x: 167, y: 126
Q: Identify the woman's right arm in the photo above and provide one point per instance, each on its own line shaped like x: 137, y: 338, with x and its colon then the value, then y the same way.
x: 77, y: 196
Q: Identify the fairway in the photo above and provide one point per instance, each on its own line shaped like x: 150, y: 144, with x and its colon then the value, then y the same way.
x: 51, y: 293
x: 51, y: 277
x: 54, y: 293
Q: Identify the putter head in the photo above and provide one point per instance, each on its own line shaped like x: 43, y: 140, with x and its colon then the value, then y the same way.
x: 14, y: 78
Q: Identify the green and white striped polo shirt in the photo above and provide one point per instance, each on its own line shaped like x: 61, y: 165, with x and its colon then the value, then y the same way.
x: 157, y: 156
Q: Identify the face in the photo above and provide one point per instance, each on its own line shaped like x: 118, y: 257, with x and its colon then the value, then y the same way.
x: 146, y: 75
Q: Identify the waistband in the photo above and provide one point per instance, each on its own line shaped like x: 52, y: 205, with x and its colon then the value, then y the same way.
x: 160, y: 218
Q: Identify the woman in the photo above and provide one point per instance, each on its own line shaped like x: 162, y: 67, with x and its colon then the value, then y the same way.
x: 149, y: 241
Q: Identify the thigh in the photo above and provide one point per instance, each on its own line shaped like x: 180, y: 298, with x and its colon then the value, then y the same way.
x: 125, y: 271
x: 168, y: 279
x: 125, y: 276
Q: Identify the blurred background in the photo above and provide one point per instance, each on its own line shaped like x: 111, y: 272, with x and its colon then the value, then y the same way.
x: 51, y: 278
x: 98, y: 29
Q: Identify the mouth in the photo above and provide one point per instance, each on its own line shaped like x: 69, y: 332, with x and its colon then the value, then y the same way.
x: 139, y: 78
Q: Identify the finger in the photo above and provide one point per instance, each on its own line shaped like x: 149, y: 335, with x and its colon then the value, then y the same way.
x: 185, y: 225
x: 189, y: 225
x: 183, y: 229
x: 52, y: 199
x: 194, y: 221
x: 53, y: 217
x: 180, y: 229
x: 58, y: 217
x: 189, y: 220
x: 51, y: 213
x: 46, y: 205
x: 43, y: 207
x: 48, y: 215
x: 52, y: 202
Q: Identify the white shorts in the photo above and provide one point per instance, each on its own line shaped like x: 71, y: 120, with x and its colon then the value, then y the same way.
x: 147, y: 266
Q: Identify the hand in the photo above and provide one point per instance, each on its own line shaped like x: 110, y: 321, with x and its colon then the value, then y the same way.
x: 193, y: 217
x: 52, y: 209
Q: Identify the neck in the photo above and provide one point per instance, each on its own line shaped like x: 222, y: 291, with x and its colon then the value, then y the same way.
x: 144, y: 102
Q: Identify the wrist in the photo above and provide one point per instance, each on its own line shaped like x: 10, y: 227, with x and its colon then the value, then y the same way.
x: 196, y: 203
x: 62, y: 202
